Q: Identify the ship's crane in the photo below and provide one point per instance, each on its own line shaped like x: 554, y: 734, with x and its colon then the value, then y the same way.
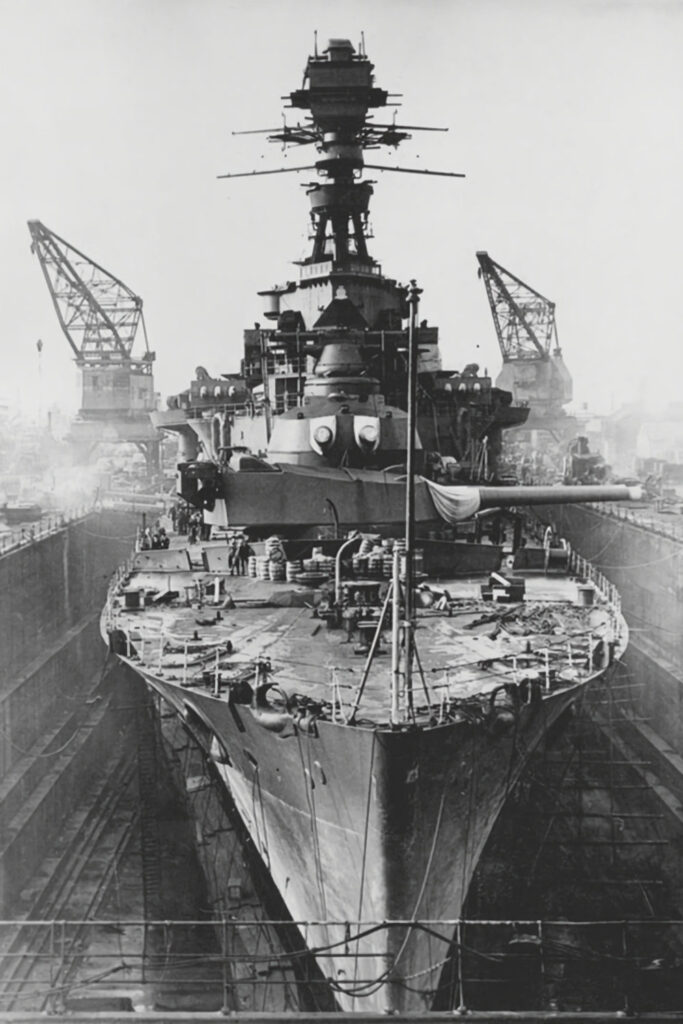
x: 533, y: 368
x: 100, y: 317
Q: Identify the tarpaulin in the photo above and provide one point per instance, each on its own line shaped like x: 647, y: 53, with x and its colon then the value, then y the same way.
x: 454, y: 503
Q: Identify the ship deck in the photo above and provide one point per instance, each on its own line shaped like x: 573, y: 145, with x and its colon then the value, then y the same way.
x: 467, y: 648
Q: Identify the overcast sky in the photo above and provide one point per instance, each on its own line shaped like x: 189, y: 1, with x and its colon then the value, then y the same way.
x: 566, y: 116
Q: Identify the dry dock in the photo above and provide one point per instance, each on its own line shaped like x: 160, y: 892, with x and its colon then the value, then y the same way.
x: 109, y: 809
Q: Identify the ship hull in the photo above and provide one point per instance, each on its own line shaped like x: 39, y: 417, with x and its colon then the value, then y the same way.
x: 368, y: 825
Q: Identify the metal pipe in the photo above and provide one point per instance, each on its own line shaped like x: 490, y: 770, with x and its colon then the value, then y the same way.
x: 337, y: 564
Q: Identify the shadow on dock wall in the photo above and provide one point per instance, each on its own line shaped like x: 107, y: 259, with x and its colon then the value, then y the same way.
x: 54, y: 726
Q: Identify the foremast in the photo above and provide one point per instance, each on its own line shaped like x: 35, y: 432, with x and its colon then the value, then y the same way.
x: 339, y: 91
x: 342, y: 293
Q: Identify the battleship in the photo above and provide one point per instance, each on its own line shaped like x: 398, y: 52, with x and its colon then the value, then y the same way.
x: 369, y: 649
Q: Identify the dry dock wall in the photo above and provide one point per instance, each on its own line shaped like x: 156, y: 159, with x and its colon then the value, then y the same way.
x: 48, y: 586
x: 54, y: 726
x: 646, y: 566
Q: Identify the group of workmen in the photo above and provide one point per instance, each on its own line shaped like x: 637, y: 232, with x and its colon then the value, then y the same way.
x: 155, y: 539
x: 239, y: 553
x: 189, y: 523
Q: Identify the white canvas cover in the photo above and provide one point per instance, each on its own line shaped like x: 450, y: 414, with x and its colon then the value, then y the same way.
x: 454, y: 503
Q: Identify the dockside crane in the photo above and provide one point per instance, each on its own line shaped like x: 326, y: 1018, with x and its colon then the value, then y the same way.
x: 533, y: 368
x: 101, y: 318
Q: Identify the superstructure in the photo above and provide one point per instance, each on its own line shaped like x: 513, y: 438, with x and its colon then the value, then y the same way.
x: 325, y: 381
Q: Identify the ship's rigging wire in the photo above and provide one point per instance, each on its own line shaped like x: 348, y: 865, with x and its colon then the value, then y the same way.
x: 70, y: 986
x: 619, y: 528
x: 428, y: 695
x: 110, y: 536
x: 369, y: 987
x: 314, y: 830
x: 639, y: 565
x: 652, y: 625
x: 448, y: 779
x: 366, y: 829
x: 264, y: 830
x: 437, y: 826
x: 373, y: 987
x: 314, y: 819
x: 49, y: 753
x: 468, y: 820
x: 107, y: 666
x: 513, y: 752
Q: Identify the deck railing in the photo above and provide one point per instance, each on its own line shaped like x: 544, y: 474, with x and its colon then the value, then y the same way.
x: 52, y: 522
x: 672, y: 529
x: 584, y: 569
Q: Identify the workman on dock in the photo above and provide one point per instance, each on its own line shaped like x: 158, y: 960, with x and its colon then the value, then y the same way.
x: 233, y: 556
x: 244, y: 552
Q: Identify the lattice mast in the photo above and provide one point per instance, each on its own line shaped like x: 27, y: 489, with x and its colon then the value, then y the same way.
x: 100, y: 317
x: 339, y: 91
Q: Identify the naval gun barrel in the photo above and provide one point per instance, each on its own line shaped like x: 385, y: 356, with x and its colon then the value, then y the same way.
x: 504, y: 497
x: 455, y: 503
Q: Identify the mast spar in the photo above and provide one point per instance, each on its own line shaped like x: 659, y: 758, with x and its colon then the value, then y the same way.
x: 409, y: 603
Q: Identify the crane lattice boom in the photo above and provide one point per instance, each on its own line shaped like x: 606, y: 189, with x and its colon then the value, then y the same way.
x: 524, y: 319
x: 98, y: 313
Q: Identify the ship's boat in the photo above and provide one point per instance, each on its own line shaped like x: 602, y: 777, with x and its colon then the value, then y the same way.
x: 375, y: 649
